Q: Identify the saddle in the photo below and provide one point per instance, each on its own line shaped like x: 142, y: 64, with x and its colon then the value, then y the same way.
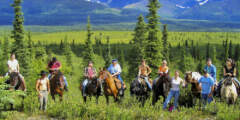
x: 143, y: 82
x: 118, y: 84
x: 236, y: 84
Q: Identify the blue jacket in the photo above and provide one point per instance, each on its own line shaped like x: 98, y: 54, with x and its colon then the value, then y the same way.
x: 212, y: 71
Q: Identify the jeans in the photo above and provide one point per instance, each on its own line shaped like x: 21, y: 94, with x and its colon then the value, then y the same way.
x: 43, y: 99
x: 85, y: 82
x: 64, y: 79
x: 171, y: 94
x: 120, y: 78
x: 148, y: 83
x: 205, y: 99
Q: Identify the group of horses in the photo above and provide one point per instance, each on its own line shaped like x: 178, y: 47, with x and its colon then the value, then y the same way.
x: 139, y: 88
x: 56, y: 83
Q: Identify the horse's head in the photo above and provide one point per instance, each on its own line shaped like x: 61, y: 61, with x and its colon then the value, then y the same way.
x: 14, y: 77
x: 188, y: 77
x: 228, y: 81
x: 103, y: 74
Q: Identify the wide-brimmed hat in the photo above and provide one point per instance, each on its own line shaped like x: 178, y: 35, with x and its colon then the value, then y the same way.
x: 43, y: 73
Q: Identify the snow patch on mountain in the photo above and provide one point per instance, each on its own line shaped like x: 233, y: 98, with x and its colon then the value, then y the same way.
x: 202, y: 2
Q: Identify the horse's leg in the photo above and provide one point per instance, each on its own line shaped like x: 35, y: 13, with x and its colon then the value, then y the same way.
x: 61, y: 97
x: 107, y: 99
x: 53, y: 97
x: 97, y: 99
x: 154, y: 98
x: 11, y: 106
x: 85, y: 99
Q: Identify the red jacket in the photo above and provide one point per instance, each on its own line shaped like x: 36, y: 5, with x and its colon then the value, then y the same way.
x: 55, y: 66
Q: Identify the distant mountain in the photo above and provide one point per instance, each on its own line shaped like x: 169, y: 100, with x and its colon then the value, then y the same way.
x: 72, y: 12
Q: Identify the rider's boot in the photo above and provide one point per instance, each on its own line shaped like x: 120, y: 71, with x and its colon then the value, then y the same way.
x: 66, y: 88
x: 101, y: 90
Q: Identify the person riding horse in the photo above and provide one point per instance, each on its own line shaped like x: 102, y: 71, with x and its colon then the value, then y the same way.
x: 229, y: 71
x: 13, y: 67
x: 54, y: 66
x: 162, y: 71
x: 211, y: 69
x: 90, y: 73
x: 115, y: 69
x: 144, y: 71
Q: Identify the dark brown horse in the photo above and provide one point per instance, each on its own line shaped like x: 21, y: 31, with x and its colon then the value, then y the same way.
x: 161, y: 88
x: 190, y: 96
x: 92, y: 89
x: 57, y: 85
x: 139, y: 89
x: 111, y: 85
x: 16, y: 83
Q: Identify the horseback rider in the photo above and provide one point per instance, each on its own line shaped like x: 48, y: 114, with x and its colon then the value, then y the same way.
x: 229, y: 71
x: 13, y: 66
x: 162, y: 71
x: 207, y: 85
x: 90, y: 73
x: 211, y: 69
x: 144, y: 71
x: 43, y: 89
x: 115, y: 69
x: 54, y: 66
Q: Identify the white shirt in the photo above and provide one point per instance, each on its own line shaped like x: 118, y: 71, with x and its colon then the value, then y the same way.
x: 43, y: 84
x: 176, y: 83
x: 118, y: 68
x: 13, y: 64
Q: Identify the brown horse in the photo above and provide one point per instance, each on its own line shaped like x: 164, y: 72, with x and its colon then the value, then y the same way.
x: 16, y: 83
x: 57, y: 85
x: 139, y: 88
x: 92, y: 89
x: 191, y: 80
x: 111, y: 85
x: 161, y: 88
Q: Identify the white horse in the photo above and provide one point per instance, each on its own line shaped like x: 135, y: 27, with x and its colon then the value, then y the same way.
x: 229, y: 91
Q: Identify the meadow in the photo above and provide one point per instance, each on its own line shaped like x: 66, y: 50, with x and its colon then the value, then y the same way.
x: 73, y: 107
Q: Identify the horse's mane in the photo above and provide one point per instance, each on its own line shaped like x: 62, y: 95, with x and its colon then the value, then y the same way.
x: 196, y: 75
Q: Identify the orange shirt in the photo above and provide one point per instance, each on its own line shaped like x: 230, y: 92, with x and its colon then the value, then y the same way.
x: 163, y: 69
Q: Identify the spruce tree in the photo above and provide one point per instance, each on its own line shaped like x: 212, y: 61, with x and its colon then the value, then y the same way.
x: 20, y: 47
x: 186, y: 43
x: 153, y: 50
x: 214, y: 54
x: 5, y: 55
x: 30, y: 45
x: 226, y: 49
x: 138, y: 44
x: 18, y: 29
x: 67, y: 52
x: 88, y: 54
x: 236, y: 54
x: 165, y: 43
x: 207, y: 50
x: 108, y: 56
x: 230, y: 51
